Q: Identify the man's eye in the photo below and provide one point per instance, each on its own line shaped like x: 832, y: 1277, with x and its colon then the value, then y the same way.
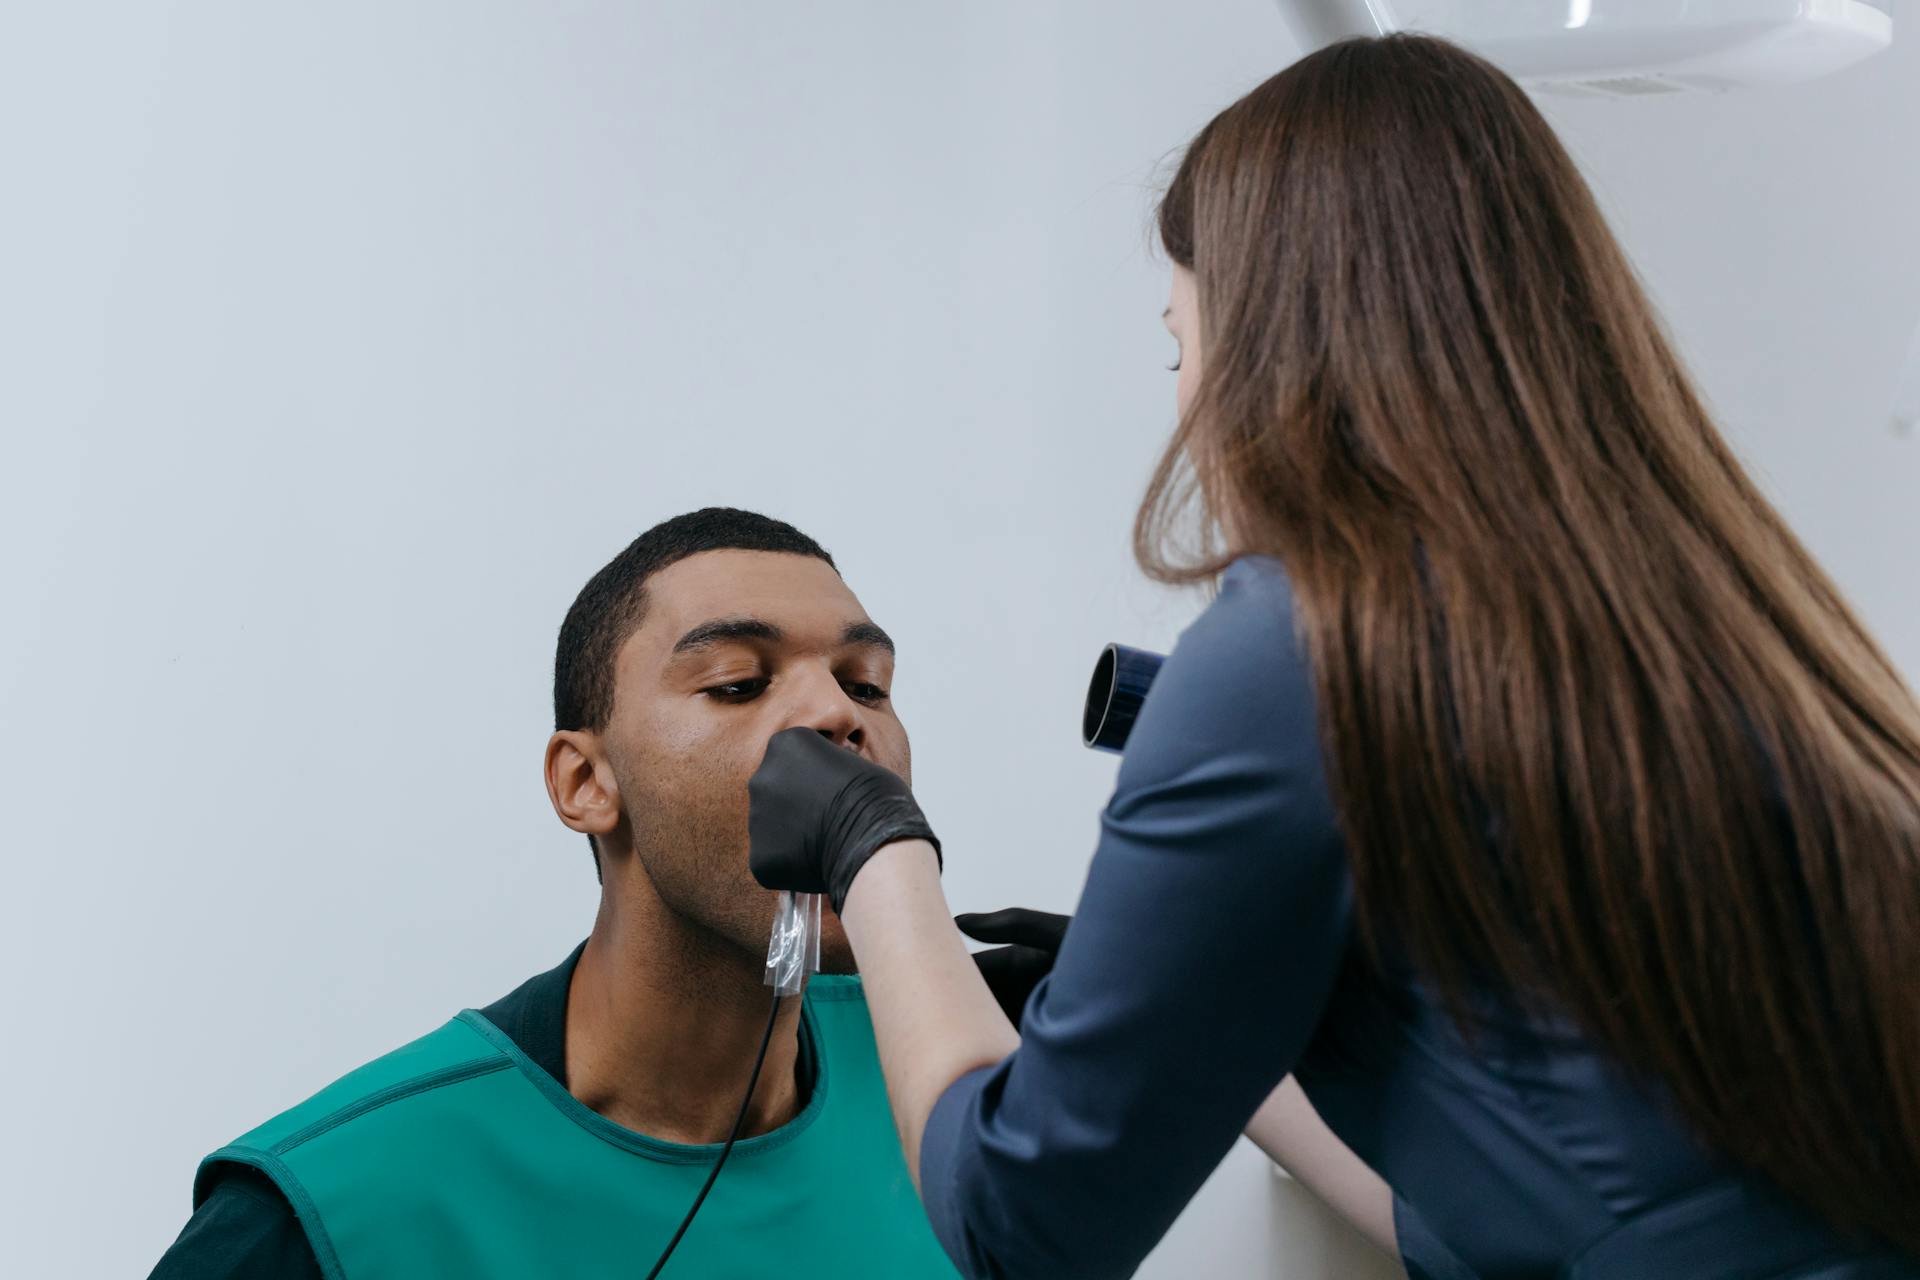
x: 737, y: 690
x: 868, y: 693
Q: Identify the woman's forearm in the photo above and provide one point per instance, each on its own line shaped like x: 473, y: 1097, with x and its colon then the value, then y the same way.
x: 1294, y: 1137
x: 934, y: 1019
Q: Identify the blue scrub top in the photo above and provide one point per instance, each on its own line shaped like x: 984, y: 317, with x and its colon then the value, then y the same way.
x: 1212, y: 953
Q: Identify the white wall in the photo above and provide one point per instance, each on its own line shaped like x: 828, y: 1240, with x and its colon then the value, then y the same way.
x: 342, y: 343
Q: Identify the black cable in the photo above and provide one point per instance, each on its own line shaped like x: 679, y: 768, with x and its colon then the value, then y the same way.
x: 765, y: 1039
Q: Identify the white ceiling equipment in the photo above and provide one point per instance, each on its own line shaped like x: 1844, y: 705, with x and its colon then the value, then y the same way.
x: 1625, y: 48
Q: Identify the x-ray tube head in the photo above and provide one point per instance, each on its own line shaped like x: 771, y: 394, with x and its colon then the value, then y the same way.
x: 1121, y: 678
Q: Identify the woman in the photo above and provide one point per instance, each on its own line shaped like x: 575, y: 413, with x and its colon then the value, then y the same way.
x: 1528, y: 791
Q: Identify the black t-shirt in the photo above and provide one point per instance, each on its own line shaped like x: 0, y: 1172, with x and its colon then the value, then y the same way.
x: 246, y: 1230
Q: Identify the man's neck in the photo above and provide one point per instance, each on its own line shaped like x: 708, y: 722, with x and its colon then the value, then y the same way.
x: 663, y: 1026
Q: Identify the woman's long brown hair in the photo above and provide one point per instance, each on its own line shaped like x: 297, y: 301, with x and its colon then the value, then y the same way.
x: 1601, y: 731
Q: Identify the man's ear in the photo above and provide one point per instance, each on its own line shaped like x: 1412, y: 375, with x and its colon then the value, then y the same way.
x: 580, y: 782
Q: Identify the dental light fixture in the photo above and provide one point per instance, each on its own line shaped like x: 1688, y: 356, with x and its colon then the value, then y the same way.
x: 1625, y: 48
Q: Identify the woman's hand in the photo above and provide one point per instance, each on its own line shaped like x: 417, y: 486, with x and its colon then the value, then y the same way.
x: 1030, y: 942
x: 816, y: 812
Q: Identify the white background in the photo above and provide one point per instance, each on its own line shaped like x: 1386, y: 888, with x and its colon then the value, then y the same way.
x: 342, y: 343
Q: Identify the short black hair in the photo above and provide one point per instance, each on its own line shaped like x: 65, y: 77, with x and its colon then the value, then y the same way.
x: 614, y: 601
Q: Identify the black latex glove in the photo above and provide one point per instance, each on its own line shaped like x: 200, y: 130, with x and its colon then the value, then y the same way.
x: 816, y: 812
x: 1012, y: 972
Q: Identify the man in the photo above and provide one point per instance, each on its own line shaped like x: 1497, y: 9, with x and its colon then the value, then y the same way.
x: 566, y: 1128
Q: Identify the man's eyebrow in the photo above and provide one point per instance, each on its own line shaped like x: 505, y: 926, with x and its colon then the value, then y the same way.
x: 721, y: 630
x: 868, y: 634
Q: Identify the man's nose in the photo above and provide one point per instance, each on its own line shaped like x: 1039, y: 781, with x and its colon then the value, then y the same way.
x: 822, y: 705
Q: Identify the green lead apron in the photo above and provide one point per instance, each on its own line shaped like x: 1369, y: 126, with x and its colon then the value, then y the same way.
x: 456, y: 1156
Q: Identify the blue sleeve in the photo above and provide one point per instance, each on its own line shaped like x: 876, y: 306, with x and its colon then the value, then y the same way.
x: 1212, y: 926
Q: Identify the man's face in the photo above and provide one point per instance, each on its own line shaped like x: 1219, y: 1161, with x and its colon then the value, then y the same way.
x: 734, y: 647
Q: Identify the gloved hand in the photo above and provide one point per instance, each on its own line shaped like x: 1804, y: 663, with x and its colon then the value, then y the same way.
x: 816, y: 812
x: 1013, y: 971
